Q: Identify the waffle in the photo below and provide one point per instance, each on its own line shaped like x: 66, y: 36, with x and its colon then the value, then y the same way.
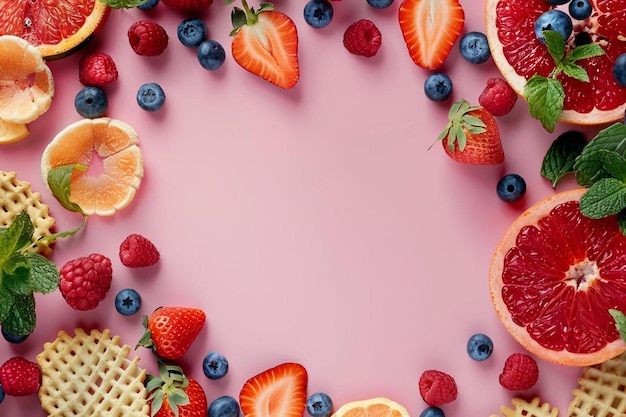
x: 602, y: 391
x: 522, y: 408
x: 17, y: 196
x: 90, y: 375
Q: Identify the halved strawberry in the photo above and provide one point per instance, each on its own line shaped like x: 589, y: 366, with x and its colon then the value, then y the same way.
x: 276, y: 392
x: 265, y: 43
x: 430, y: 28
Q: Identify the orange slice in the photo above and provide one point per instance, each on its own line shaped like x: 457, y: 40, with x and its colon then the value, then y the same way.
x: 12, y: 132
x: 109, y: 148
x: 373, y: 407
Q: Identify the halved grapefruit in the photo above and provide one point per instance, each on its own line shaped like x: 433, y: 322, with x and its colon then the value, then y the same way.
x: 553, y: 278
x: 519, y: 55
x: 109, y: 148
x: 56, y: 27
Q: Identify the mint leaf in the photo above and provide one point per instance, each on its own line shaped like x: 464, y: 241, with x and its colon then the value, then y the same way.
x: 555, y: 44
x: 621, y: 221
x: 123, y: 4
x: 604, y: 198
x: 59, y: 182
x: 614, y: 164
x: 575, y: 71
x: 545, y: 98
x: 589, y: 50
x: 15, y: 275
x: 44, y: 275
x: 561, y: 155
x: 620, y: 322
x: 589, y: 165
x: 16, y: 236
x: 6, y: 302
x: 21, y: 319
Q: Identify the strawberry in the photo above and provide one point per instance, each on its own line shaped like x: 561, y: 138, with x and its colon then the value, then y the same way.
x: 472, y: 135
x: 265, y: 43
x: 172, y: 394
x: 20, y: 377
x: 170, y: 331
x: 430, y: 28
x: 137, y: 251
x: 276, y: 392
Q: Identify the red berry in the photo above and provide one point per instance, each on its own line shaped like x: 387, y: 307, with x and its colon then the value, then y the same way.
x: 85, y: 281
x: 437, y: 388
x: 20, y: 377
x: 362, y: 38
x: 147, y: 38
x: 520, y: 372
x: 498, y: 98
x: 137, y: 251
x: 97, y: 69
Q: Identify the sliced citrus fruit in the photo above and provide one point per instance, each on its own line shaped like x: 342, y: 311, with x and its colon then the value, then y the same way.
x: 26, y: 83
x: 56, y: 27
x: 519, y: 55
x: 553, y: 278
x: 109, y: 148
x: 12, y: 132
x: 373, y: 407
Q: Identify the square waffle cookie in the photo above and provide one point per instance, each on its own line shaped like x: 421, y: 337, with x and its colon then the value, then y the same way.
x: 602, y: 391
x: 90, y: 375
x: 523, y: 408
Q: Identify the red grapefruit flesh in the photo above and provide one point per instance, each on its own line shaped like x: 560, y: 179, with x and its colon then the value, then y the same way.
x: 553, y: 278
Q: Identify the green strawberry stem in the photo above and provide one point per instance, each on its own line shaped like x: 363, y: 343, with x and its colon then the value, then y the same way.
x: 248, y: 16
x: 171, y: 384
x: 251, y: 17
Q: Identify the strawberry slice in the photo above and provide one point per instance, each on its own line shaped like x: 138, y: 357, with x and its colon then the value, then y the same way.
x: 265, y: 43
x: 430, y: 28
x: 276, y: 392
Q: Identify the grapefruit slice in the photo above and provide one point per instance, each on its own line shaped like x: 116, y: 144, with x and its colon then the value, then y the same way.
x: 109, y: 148
x: 372, y: 407
x: 553, y: 278
x: 519, y: 55
x: 12, y: 132
x: 56, y: 27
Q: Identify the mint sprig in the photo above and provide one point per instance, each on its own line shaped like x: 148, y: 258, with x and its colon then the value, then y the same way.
x: 620, y: 322
x: 545, y: 95
x: 123, y: 4
x: 561, y: 156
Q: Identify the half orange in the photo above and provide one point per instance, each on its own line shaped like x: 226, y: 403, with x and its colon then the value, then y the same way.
x: 109, y: 148
x: 372, y: 407
x: 553, y: 278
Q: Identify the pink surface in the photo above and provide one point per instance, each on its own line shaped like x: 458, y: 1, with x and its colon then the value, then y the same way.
x: 311, y: 225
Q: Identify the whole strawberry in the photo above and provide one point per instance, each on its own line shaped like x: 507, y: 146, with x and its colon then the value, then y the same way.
x: 520, y: 372
x: 147, y: 38
x: 20, y: 377
x: 188, y: 4
x: 498, y: 97
x: 472, y: 135
x: 137, y: 251
x: 85, y: 281
x: 437, y: 388
x: 173, y: 394
x: 362, y: 38
x: 97, y: 69
x: 170, y: 331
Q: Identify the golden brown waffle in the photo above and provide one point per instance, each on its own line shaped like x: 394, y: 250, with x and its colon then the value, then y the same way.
x: 90, y: 375
x: 602, y: 391
x: 17, y: 196
x: 534, y: 408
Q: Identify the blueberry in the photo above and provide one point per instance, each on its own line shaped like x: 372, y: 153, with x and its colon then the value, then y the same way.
x: 12, y: 338
x: 619, y: 70
x: 1, y: 394
x: 211, y: 55
x: 215, y: 365
x: 555, y: 20
x: 380, y: 4
x: 432, y: 412
x: 192, y: 32
x: 474, y: 47
x: 148, y: 5
x: 224, y: 406
x: 150, y: 97
x: 91, y: 102
x: 319, y: 405
x: 438, y: 87
x: 318, y: 13
x: 127, y: 302
x: 479, y: 347
x: 580, y: 9
x: 511, y: 188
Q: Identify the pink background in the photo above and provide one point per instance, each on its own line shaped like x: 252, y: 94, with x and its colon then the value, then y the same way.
x: 311, y: 225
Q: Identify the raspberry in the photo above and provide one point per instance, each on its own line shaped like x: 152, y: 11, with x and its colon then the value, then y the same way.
x: 362, y: 38
x: 437, y: 388
x: 85, y: 281
x: 147, y: 38
x: 137, y: 251
x: 520, y: 372
x: 97, y: 69
x: 498, y: 98
x: 20, y: 377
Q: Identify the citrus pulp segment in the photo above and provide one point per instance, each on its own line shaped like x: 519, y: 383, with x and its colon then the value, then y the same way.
x: 519, y: 55
x: 373, y: 407
x: 110, y: 142
x: 12, y: 132
x: 553, y: 278
x: 26, y: 83
x: 56, y: 27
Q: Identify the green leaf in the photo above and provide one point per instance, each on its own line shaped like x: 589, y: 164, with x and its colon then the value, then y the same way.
x: 545, y: 97
x: 575, y: 71
x: 6, y: 302
x: 16, y: 236
x: 21, y: 319
x: 555, y: 44
x: 621, y: 221
x: 589, y: 50
x: 238, y: 19
x: 561, y: 155
x: 59, y: 182
x: 123, y: 4
x: 44, y: 275
x: 16, y: 275
x: 604, y: 198
x: 620, y: 322
x: 67, y: 233
x: 614, y: 164
x: 589, y: 167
